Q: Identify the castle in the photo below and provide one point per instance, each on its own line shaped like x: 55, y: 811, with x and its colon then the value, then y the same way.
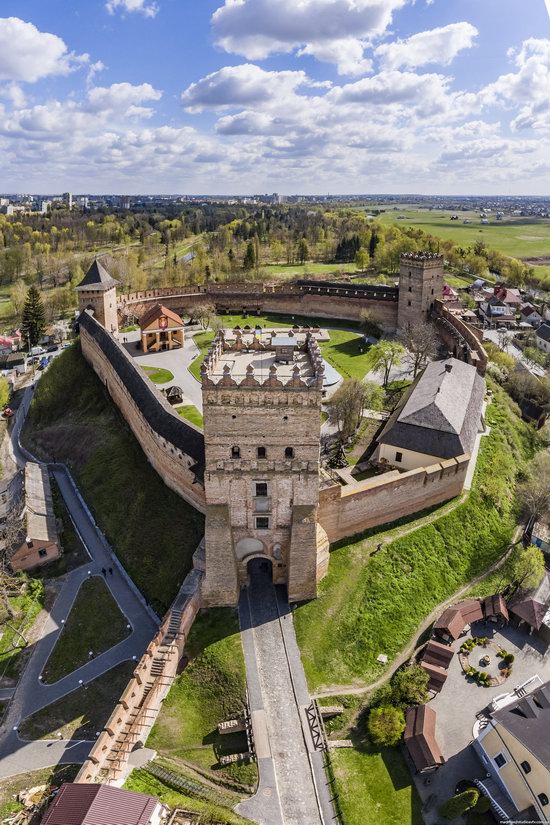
x: 255, y: 472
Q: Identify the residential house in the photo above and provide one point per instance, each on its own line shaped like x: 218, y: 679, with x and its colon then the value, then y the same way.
x: 42, y: 543
x: 438, y: 418
x: 499, y: 306
x: 542, y: 336
x: 530, y: 315
x: 103, y: 805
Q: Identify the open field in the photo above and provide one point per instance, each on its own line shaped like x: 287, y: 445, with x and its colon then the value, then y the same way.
x: 371, y: 604
x: 307, y: 270
x: 95, y: 624
x: 518, y: 237
x: 152, y: 530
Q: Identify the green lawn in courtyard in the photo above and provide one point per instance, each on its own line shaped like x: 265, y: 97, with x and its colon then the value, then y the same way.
x: 95, y: 624
x: 372, y: 604
x: 158, y: 375
x: 81, y: 713
x: 348, y: 353
x: 192, y: 414
x: 203, y: 341
x: 210, y: 690
x: 376, y: 787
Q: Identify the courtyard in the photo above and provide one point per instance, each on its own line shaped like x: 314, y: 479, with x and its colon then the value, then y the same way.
x: 462, y: 698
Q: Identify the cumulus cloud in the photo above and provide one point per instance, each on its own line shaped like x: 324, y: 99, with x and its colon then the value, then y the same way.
x: 439, y: 45
x: 334, y: 31
x: 123, y: 98
x: 27, y: 54
x: 148, y: 9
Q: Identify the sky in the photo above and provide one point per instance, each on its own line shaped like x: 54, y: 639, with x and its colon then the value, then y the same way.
x: 287, y: 96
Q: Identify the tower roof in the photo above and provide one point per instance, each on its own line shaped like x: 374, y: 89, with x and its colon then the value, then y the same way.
x: 97, y: 277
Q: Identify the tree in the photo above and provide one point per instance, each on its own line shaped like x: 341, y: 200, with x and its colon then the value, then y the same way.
x: 18, y: 293
x: 410, y: 686
x: 204, y: 313
x: 368, y: 323
x: 420, y: 342
x: 303, y: 251
x: 348, y: 403
x: 459, y: 804
x: 386, y: 725
x: 525, y: 567
x: 249, y: 260
x: 4, y: 392
x: 387, y: 354
x: 534, y: 492
x: 33, y: 321
x: 362, y: 259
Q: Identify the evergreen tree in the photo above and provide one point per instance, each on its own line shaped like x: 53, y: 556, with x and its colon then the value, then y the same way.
x: 373, y: 243
x: 33, y: 322
x: 249, y: 258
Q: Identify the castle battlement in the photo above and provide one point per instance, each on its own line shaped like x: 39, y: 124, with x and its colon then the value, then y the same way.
x: 263, y: 359
x: 422, y: 259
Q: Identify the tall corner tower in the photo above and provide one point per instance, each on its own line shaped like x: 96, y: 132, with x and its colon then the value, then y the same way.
x: 420, y: 285
x: 261, y: 406
x: 97, y: 292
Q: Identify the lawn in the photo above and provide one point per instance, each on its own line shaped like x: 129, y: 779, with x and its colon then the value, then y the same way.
x: 81, y: 713
x: 13, y: 785
x: 95, y: 624
x: 190, y: 412
x: 347, y: 352
x: 372, y: 604
x: 308, y: 269
x: 158, y: 375
x: 152, y: 530
x: 210, y: 690
x: 26, y: 607
x: 376, y: 788
x: 203, y: 341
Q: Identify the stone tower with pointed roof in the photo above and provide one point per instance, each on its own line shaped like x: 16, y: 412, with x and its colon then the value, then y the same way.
x: 97, y: 292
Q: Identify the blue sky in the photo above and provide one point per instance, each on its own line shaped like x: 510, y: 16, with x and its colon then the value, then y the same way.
x: 239, y: 96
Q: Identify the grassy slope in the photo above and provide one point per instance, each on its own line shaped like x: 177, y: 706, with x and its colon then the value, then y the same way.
x: 152, y: 530
x: 369, y: 606
x: 158, y: 375
x: 26, y: 607
x: 210, y: 690
x: 95, y: 623
x: 11, y: 787
x: 191, y: 413
x: 79, y: 714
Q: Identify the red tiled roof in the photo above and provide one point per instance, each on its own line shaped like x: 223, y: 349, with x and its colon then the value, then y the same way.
x: 438, y: 675
x: 437, y: 654
x: 156, y: 312
x: 99, y: 805
x: 495, y: 606
x: 420, y: 738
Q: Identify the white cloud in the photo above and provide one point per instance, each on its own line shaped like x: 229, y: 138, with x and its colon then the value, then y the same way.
x: 148, y: 9
x: 334, y: 31
x: 27, y: 54
x: 439, y: 45
x: 122, y: 99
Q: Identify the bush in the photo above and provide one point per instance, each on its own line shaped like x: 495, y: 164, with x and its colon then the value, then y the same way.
x: 482, y: 805
x: 459, y: 804
x: 508, y: 658
x: 410, y: 686
x: 386, y: 725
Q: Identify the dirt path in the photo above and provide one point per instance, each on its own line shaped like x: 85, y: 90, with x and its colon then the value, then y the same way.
x: 413, y: 646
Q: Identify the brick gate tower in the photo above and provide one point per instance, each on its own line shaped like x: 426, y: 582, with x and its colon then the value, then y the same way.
x: 420, y: 284
x: 97, y: 291
x: 262, y: 418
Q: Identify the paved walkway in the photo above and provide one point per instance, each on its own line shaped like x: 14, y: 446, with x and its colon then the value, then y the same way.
x: 30, y: 695
x: 293, y: 787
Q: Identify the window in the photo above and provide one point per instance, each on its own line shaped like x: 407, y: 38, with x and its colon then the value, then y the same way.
x: 289, y: 452
x: 500, y: 760
x: 42, y: 553
x: 399, y: 457
x: 235, y: 452
x: 410, y: 289
x: 262, y: 523
x: 543, y: 799
x: 526, y: 767
x: 261, y: 489
x: 261, y: 452
x: 432, y: 292
x: 408, y: 303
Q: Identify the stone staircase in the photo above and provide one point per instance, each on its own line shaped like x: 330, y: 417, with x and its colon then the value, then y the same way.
x: 502, y: 806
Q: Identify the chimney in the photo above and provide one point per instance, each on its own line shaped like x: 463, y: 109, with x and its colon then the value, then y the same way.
x: 448, y: 367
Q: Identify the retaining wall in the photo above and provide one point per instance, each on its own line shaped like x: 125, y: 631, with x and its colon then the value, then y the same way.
x: 345, y: 511
x: 172, y: 445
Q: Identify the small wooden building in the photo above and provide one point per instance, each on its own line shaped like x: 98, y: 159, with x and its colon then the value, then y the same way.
x: 284, y: 346
x: 420, y: 739
x: 161, y: 329
x: 452, y: 621
x: 437, y: 654
x: 494, y: 608
x: 42, y: 543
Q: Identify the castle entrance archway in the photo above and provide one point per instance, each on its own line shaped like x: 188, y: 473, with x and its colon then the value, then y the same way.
x: 260, y: 567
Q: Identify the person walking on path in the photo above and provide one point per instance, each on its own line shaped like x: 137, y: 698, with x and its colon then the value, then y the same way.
x: 111, y: 571
x: 104, y: 572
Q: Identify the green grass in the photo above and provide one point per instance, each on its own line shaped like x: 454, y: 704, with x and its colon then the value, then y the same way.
x: 13, y: 785
x: 152, y: 530
x: 376, y: 788
x: 307, y: 269
x: 203, y: 341
x: 158, y: 375
x: 369, y: 605
x: 81, y: 713
x: 95, y: 623
x: 190, y: 412
x: 210, y: 690
x: 519, y: 237
x: 347, y: 352
x: 12, y: 646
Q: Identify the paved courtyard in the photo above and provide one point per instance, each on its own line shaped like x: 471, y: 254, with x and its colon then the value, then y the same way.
x: 459, y: 701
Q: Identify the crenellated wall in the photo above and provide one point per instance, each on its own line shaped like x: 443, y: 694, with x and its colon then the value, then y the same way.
x: 172, y: 445
x: 345, y: 511
x: 463, y: 340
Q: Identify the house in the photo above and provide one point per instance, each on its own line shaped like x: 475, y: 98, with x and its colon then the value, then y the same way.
x: 437, y: 676
x: 437, y: 654
x: 103, y: 805
x: 540, y: 536
x: 494, y: 608
x: 499, y: 306
x: 530, y: 315
x: 533, y: 609
x: 42, y: 543
x: 542, y: 337
x: 161, y: 329
x: 455, y: 619
x: 11, y: 496
x: 449, y: 295
x: 514, y: 748
x: 438, y: 418
x: 420, y: 739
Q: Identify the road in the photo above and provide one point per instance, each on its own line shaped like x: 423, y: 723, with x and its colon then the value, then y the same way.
x: 514, y: 351
x: 293, y: 787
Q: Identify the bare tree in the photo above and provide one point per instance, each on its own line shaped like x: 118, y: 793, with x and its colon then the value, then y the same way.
x: 420, y: 341
x: 203, y: 313
x: 348, y: 403
x: 534, y: 492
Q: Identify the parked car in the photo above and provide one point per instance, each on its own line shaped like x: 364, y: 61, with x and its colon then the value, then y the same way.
x: 38, y: 351
x: 52, y: 348
x: 43, y: 363
x: 34, y: 360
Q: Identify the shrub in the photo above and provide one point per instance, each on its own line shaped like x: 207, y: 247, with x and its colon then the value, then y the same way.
x: 459, y: 804
x: 482, y: 805
x: 509, y: 658
x: 386, y: 725
x: 410, y: 686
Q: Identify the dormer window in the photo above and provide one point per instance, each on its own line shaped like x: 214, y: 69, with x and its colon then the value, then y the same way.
x: 526, y: 767
x: 543, y: 799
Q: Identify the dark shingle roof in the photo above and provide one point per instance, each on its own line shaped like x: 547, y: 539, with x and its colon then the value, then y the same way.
x: 99, y: 805
x: 152, y: 404
x: 440, y: 414
x: 543, y: 332
x: 97, y: 278
x: 528, y: 720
